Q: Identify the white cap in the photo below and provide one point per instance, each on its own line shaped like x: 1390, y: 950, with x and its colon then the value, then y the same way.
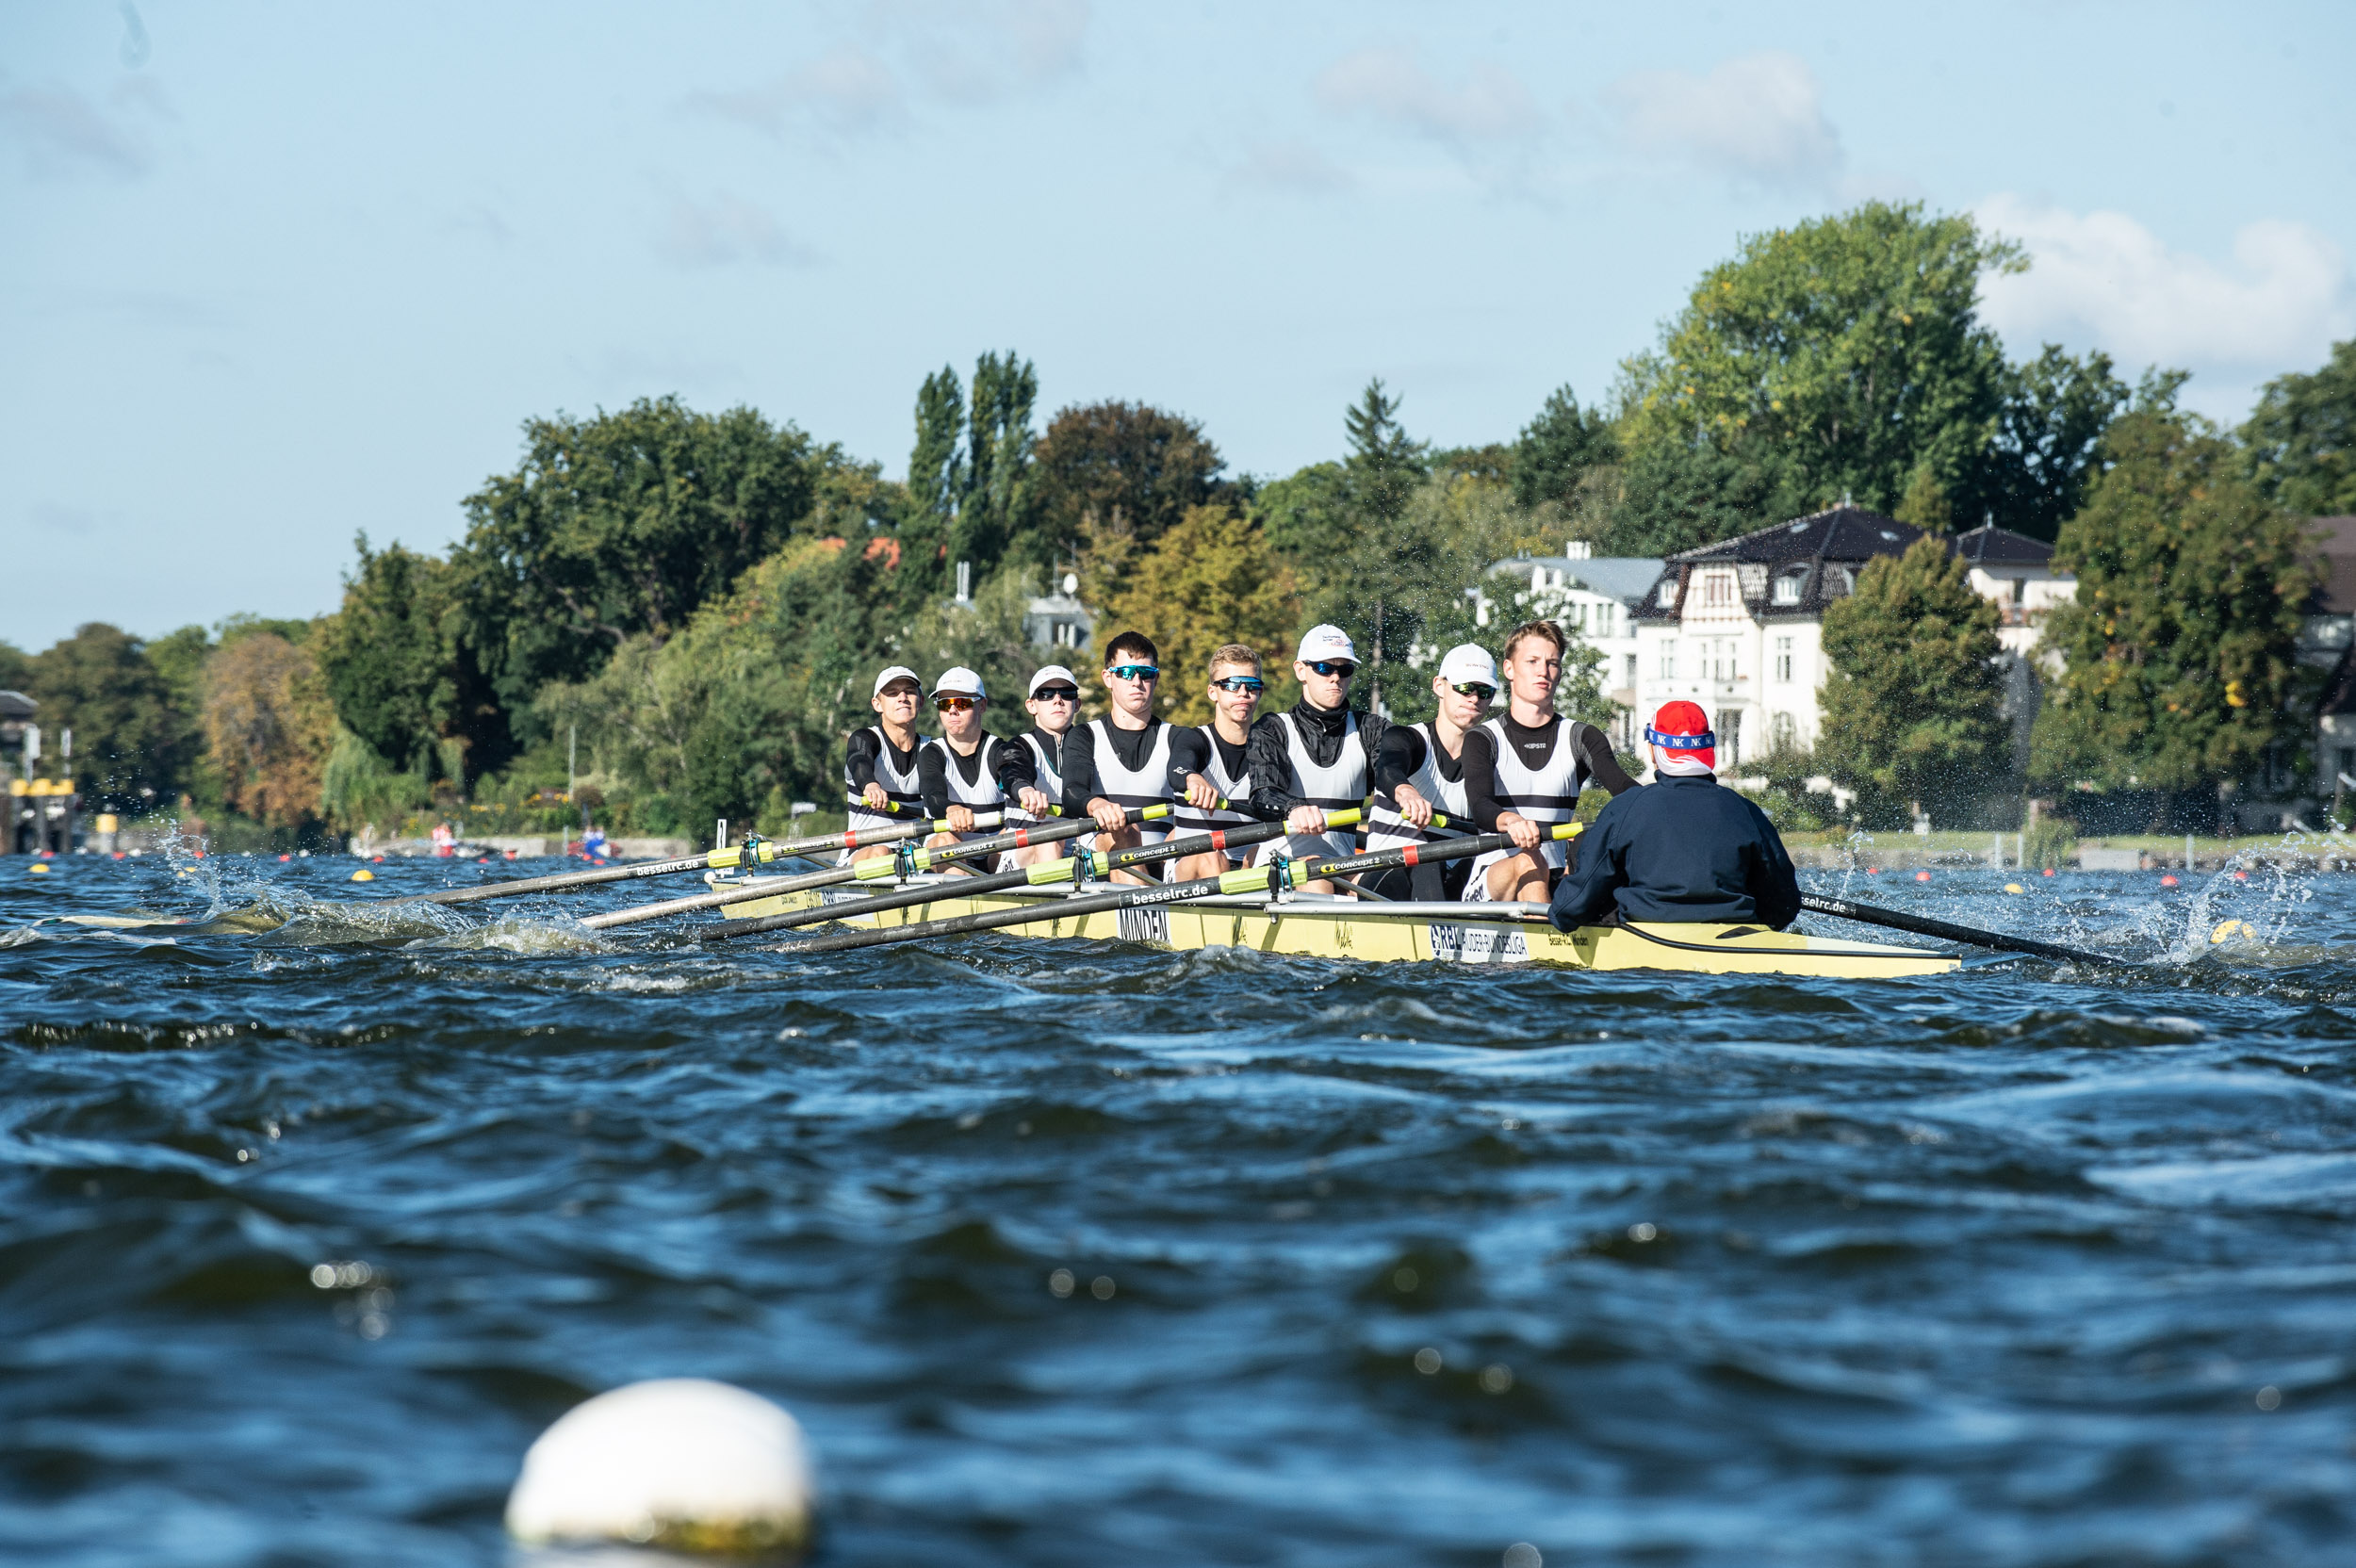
x: 1467, y: 662
x: 1326, y: 642
x: 898, y: 672
x: 1047, y: 673
x: 959, y: 681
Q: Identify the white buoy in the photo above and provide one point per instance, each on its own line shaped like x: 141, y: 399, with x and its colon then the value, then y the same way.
x: 677, y: 1462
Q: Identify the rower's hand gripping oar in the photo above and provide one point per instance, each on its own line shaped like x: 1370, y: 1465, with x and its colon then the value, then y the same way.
x: 1923, y: 926
x: 1075, y: 869
x: 1272, y: 878
x: 764, y: 850
x: 910, y: 860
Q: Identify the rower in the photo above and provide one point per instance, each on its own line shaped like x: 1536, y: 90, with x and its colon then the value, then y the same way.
x: 1524, y: 771
x: 1316, y: 757
x: 967, y: 766
x: 879, y: 762
x: 1684, y: 849
x: 1420, y: 770
x: 1235, y: 693
x: 1129, y: 759
x: 1052, y: 704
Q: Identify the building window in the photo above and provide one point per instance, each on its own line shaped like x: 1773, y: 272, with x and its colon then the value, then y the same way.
x: 1783, y: 661
x: 1726, y: 723
x: 1668, y: 658
x: 1782, y: 734
x: 1668, y: 596
x: 1603, y: 620
x: 1575, y: 615
x: 1717, y: 591
x: 2021, y: 590
x: 1788, y: 588
x: 1631, y: 678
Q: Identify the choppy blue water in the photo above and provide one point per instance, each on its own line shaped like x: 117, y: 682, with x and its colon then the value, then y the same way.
x: 1399, y: 1265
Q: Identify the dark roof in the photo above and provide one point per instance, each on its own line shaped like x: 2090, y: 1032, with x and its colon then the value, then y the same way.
x: 1990, y: 546
x: 16, y: 705
x: 1845, y: 533
x: 2335, y: 564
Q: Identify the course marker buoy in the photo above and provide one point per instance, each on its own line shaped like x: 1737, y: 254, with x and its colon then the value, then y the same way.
x: 38, y: 869
x: 2241, y: 876
x: 679, y: 1462
x: 1872, y: 870
x: 2049, y: 870
x: 2228, y: 931
x: 2167, y: 881
x: 364, y: 875
x: 2013, y: 888
x: 1921, y: 876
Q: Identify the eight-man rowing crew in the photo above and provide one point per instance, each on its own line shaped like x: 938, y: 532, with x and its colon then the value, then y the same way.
x: 1682, y: 851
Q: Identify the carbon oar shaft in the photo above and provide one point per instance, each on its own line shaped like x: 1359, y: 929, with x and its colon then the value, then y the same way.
x: 1923, y: 926
x: 715, y: 860
x: 1272, y: 878
x: 1100, y: 862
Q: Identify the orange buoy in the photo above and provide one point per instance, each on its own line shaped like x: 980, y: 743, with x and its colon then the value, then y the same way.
x: 1921, y: 876
x: 2167, y: 881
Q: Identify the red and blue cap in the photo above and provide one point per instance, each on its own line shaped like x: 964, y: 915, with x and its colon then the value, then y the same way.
x: 1682, y: 730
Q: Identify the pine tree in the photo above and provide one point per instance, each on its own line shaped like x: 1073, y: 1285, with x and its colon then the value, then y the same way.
x: 1924, y: 504
x: 937, y: 465
x: 999, y: 443
x: 1910, y: 709
x: 1556, y: 449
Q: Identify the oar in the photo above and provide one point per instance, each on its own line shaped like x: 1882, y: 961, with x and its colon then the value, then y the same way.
x: 864, y: 870
x: 1272, y: 878
x: 715, y: 860
x: 1923, y: 926
x: 1099, y: 863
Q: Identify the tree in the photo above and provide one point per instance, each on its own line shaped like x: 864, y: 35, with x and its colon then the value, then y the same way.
x: 1672, y: 496
x: 1557, y: 448
x: 1146, y: 465
x: 997, y: 502
x: 269, y: 727
x: 2180, y: 649
x: 1924, y: 505
x: 1839, y: 356
x: 620, y: 525
x: 16, y: 667
x: 398, y: 662
x: 1910, y: 712
x: 130, y: 741
x: 2302, y: 438
x: 2048, y: 443
x: 1209, y: 579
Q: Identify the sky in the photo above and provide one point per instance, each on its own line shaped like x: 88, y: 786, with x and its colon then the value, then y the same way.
x: 273, y: 276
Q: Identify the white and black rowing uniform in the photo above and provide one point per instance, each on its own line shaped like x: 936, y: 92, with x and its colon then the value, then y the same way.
x: 1538, y: 771
x: 1132, y: 768
x: 1227, y: 764
x: 1411, y: 754
x: 988, y: 780
x: 1046, y: 762
x: 870, y: 758
x: 1311, y: 755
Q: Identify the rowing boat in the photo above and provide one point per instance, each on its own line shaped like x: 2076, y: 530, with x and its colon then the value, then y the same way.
x: 1311, y: 926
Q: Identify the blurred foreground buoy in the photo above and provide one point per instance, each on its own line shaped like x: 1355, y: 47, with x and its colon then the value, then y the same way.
x: 364, y: 875
x: 2013, y: 888
x: 679, y: 1462
x: 2228, y: 930
x: 37, y: 869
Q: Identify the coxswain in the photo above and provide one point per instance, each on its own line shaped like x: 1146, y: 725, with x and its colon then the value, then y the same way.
x: 1235, y: 693
x: 1316, y: 757
x: 1052, y: 704
x: 879, y: 762
x: 1684, y: 849
x: 1419, y: 771
x: 1525, y: 769
x: 1129, y: 760
x: 967, y: 767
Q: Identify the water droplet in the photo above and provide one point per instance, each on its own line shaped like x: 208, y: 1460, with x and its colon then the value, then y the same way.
x: 2269, y: 1398
x: 1405, y: 1279
x: 1428, y: 1360
x: 1643, y: 1230
x: 323, y: 1275
x: 1061, y: 1283
x: 1496, y: 1377
x: 1521, y: 1554
x: 1102, y: 1287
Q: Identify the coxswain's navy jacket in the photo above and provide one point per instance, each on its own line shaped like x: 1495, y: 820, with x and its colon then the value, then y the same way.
x: 1680, y: 850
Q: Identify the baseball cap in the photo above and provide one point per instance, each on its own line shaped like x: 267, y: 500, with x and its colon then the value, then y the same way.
x: 1682, y: 733
x: 959, y: 681
x: 1326, y: 642
x: 1468, y: 662
x: 1048, y: 675
x: 898, y: 672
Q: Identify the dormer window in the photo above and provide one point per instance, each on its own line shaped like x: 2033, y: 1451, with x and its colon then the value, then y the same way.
x: 1668, y: 595
x: 1787, y: 588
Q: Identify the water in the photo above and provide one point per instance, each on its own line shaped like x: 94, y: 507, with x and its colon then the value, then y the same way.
x: 1399, y: 1265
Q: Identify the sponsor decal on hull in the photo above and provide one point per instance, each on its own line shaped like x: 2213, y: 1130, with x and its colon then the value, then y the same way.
x: 1477, y: 944
x: 1145, y: 925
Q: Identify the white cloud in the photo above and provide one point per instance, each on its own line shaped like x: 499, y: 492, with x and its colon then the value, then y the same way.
x: 1760, y: 118
x: 1490, y: 106
x: 61, y: 132
x: 1293, y: 166
x: 842, y: 95
x: 2103, y: 279
x: 975, y: 53
x: 726, y: 230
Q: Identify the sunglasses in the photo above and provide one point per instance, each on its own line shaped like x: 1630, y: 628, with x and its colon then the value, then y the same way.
x: 1137, y: 672
x: 1342, y: 668
x: 954, y: 705
x: 1473, y: 689
x: 1251, y: 683
x: 1056, y: 694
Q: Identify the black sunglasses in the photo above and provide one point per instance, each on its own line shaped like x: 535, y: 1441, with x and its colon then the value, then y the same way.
x: 1058, y: 694
x: 1342, y: 668
x: 1473, y: 689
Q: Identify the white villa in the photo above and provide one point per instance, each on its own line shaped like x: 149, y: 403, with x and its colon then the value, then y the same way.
x: 1594, y: 598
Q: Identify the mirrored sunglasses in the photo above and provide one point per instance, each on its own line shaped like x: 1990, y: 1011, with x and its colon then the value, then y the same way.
x: 1251, y: 683
x: 1137, y: 672
x: 1474, y: 688
x: 1056, y: 694
x: 1342, y: 668
x: 956, y: 705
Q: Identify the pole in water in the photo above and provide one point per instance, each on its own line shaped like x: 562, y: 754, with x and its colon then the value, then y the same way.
x: 679, y: 1462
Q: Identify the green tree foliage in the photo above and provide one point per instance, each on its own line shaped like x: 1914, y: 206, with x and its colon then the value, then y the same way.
x: 399, y: 663
x: 1557, y: 448
x: 2180, y: 647
x: 937, y: 461
x: 1108, y: 466
x: 1211, y: 578
x: 16, y: 667
x: 268, y: 726
x: 1673, y: 495
x: 2048, y: 443
x: 1924, y: 504
x: 617, y: 527
x: 1841, y: 355
x: 131, y: 742
x: 1910, y: 709
x: 998, y: 442
x: 2302, y: 438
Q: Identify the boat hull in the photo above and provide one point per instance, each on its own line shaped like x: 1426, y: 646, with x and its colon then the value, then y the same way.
x: 1457, y: 933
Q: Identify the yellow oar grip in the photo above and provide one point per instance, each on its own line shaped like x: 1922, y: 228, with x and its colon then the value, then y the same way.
x: 1350, y: 817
